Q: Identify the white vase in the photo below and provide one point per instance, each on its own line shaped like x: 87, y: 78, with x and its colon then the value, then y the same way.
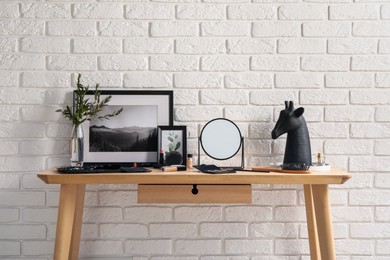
x: 77, y: 146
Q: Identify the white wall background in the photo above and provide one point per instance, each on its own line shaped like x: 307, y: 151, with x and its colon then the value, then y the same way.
x: 233, y: 58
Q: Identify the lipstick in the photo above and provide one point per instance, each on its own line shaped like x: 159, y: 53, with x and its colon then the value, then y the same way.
x: 161, y: 159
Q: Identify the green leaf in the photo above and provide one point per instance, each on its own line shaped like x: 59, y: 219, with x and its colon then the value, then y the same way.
x: 170, y: 139
x: 177, y: 146
x: 84, y: 109
x: 170, y: 147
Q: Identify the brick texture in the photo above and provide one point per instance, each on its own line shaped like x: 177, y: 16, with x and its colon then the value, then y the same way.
x: 239, y: 59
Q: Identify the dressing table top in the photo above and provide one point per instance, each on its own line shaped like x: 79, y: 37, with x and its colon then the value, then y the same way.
x: 156, y: 176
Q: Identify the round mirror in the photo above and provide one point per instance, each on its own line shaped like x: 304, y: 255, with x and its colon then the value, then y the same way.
x: 220, y: 139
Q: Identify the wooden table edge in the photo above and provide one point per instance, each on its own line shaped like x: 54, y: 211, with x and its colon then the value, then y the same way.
x: 50, y: 177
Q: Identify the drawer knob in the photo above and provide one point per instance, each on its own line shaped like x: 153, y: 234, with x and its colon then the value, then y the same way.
x: 194, y: 189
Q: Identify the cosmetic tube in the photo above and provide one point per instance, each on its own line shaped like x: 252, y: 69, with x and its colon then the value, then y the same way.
x: 174, y: 168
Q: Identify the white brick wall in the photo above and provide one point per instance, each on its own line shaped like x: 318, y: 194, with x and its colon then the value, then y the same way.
x: 238, y: 59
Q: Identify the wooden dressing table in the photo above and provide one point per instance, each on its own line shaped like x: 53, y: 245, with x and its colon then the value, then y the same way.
x: 179, y: 187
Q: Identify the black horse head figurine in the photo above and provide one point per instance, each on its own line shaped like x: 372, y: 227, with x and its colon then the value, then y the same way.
x: 298, y: 153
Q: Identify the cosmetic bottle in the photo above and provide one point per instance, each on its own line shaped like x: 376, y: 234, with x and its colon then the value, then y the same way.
x: 189, y: 161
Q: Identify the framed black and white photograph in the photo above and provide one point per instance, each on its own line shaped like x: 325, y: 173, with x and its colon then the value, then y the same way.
x: 132, y: 135
x: 173, y: 143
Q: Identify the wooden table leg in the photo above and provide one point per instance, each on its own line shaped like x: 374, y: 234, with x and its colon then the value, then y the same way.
x: 315, y: 253
x: 70, y: 216
x: 324, y: 221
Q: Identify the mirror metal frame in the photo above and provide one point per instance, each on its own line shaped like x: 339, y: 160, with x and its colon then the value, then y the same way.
x: 241, y: 146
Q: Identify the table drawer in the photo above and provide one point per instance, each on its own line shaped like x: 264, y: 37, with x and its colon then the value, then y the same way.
x: 233, y: 194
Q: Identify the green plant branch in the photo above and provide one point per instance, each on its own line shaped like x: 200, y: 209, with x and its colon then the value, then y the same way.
x: 84, y: 109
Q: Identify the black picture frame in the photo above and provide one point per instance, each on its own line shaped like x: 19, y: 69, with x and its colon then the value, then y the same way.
x: 136, y: 126
x: 178, y: 135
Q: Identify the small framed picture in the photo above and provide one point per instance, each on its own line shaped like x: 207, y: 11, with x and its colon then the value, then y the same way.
x: 173, y: 143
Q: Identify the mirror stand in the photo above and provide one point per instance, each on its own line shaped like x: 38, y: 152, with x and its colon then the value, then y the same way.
x: 242, y: 155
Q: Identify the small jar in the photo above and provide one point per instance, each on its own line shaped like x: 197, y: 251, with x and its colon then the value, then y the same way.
x: 189, y: 161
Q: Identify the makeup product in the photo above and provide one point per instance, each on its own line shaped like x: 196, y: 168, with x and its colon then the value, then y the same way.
x: 161, y: 158
x: 321, y: 165
x: 319, y: 161
x: 174, y: 168
x: 189, y: 161
x: 213, y: 169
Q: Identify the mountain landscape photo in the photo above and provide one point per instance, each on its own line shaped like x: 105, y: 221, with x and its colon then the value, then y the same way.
x: 125, y: 139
